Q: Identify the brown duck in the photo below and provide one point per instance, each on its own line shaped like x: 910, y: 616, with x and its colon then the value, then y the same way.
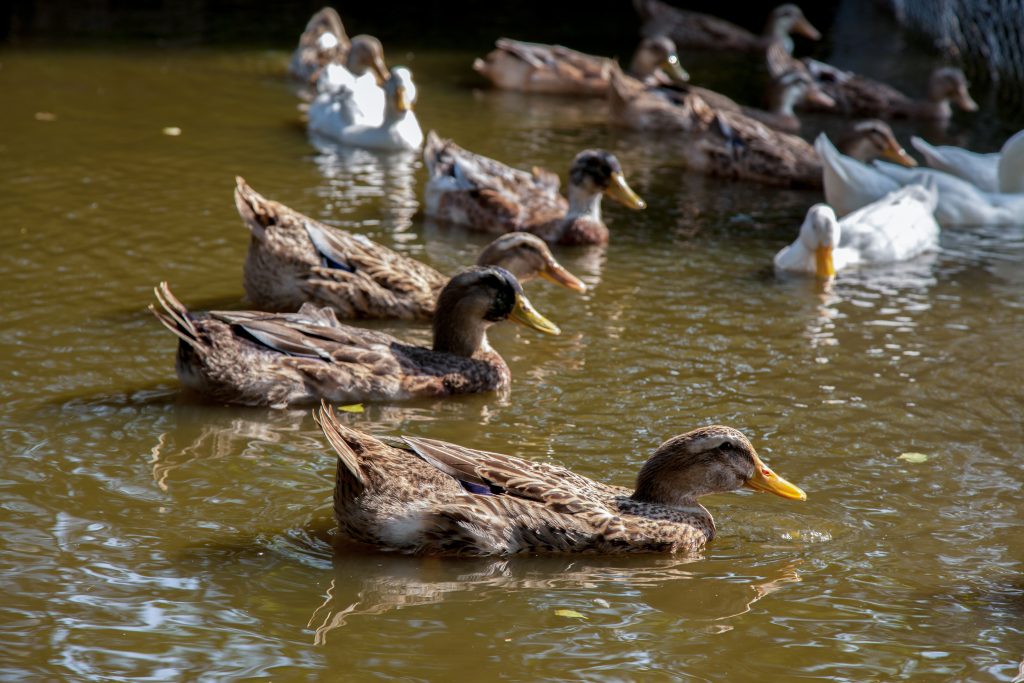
x: 282, y: 359
x: 432, y: 497
x: 481, y: 193
x: 294, y: 259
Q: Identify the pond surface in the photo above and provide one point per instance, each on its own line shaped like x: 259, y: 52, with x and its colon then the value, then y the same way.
x: 149, y: 535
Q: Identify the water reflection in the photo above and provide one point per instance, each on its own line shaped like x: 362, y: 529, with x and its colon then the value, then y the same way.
x: 365, y: 585
x: 355, y: 178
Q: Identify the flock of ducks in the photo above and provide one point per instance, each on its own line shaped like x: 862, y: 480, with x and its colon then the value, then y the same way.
x: 423, y: 496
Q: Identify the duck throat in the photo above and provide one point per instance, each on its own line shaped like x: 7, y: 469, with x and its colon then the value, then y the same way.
x: 584, y: 203
x: 457, y: 333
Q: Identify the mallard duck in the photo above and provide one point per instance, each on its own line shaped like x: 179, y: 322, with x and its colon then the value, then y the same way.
x: 282, y: 359
x: 717, y: 142
x: 873, y: 139
x: 533, y: 67
x: 294, y: 259
x: 857, y: 95
x: 323, y: 41
x: 1001, y: 171
x: 695, y: 30
x: 898, y: 227
x: 484, y: 194
x: 432, y: 497
x: 330, y: 114
x: 851, y: 184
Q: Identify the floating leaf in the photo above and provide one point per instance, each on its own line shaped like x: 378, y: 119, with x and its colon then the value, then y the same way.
x: 914, y: 457
x: 173, y: 131
x: 354, y: 408
x: 45, y: 116
x: 570, y: 614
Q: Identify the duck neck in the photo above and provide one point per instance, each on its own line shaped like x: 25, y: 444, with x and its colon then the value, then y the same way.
x: 584, y: 203
x: 459, y: 334
x: 783, y: 101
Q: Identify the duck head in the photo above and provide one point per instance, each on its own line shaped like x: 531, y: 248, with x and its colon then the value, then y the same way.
x: 820, y: 234
x: 949, y: 84
x: 527, y: 256
x: 400, y: 91
x: 658, y: 53
x: 874, y: 139
x: 367, y: 54
x: 595, y: 172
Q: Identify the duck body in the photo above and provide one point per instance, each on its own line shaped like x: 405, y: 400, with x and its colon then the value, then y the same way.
x: 435, y: 498
x: 337, y: 114
x: 282, y: 359
x: 717, y: 142
x: 1001, y: 171
x: 851, y: 184
x: 898, y: 227
x: 293, y: 259
x: 478, y: 192
x: 554, y: 69
x: 703, y: 31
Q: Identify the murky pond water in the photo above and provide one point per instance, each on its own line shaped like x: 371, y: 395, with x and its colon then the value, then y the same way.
x: 147, y: 535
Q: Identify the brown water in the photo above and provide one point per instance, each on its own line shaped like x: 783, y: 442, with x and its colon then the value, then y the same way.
x: 147, y: 535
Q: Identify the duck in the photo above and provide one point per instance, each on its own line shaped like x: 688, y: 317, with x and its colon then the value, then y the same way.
x: 898, y: 227
x: 718, y: 142
x: 539, y: 68
x: 873, y: 139
x: 361, y: 77
x: 483, y: 194
x: 330, y: 114
x: 278, y: 360
x: 1001, y: 171
x: 428, y: 497
x: 294, y: 259
x: 323, y: 40
x: 696, y: 30
x: 856, y: 95
x: 850, y: 184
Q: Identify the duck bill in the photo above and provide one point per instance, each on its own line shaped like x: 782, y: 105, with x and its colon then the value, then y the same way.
x: 554, y: 272
x: 824, y: 266
x: 766, y: 480
x: 965, y: 101
x: 820, y: 98
x: 806, y: 29
x: 675, y: 70
x: 380, y: 71
x: 525, y: 314
x: 621, y: 192
x: 895, y: 153
x: 402, y: 102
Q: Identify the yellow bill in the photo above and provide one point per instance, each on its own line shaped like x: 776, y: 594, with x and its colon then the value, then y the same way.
x: 675, y: 70
x: 402, y: 102
x: 824, y: 266
x: 525, y: 314
x: 620, y: 191
x: 806, y: 29
x: 554, y: 272
x: 766, y: 480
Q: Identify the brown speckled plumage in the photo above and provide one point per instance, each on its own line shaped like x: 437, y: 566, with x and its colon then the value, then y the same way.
x: 309, y: 57
x: 282, y: 359
x: 434, y: 497
x: 294, y: 259
x: 721, y: 143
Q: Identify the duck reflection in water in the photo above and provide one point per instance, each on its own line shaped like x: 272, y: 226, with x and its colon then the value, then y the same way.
x: 364, y: 585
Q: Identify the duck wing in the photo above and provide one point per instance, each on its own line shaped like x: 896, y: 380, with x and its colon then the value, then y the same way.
x: 897, y: 227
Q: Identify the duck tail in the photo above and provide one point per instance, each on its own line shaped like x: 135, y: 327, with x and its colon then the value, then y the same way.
x: 256, y: 211
x: 174, y: 316
x: 350, y: 480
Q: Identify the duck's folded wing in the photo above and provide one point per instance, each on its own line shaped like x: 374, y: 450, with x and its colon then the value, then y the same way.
x: 897, y: 227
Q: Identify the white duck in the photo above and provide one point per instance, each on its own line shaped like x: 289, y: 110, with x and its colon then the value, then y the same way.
x: 898, y: 227
x: 1001, y: 171
x: 398, y: 130
x: 851, y: 184
x: 355, y: 87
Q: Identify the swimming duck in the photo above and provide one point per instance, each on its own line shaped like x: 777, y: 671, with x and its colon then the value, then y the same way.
x: 436, y: 498
x: 851, y: 184
x: 873, y: 139
x: 898, y: 227
x: 861, y: 96
x: 717, y: 142
x: 361, y: 77
x: 484, y: 194
x: 282, y: 359
x: 695, y: 30
x: 533, y: 67
x: 294, y: 259
x: 1001, y: 171
x: 330, y: 114
x: 323, y: 40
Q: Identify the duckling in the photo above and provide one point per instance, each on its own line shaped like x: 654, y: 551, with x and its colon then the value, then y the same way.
x: 898, y: 227
x: 282, y: 359
x: 399, y: 130
x: 294, y: 259
x: 717, y: 142
x: 695, y: 30
x: 484, y: 194
x: 533, y: 67
x: 431, y: 497
x: 323, y: 40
